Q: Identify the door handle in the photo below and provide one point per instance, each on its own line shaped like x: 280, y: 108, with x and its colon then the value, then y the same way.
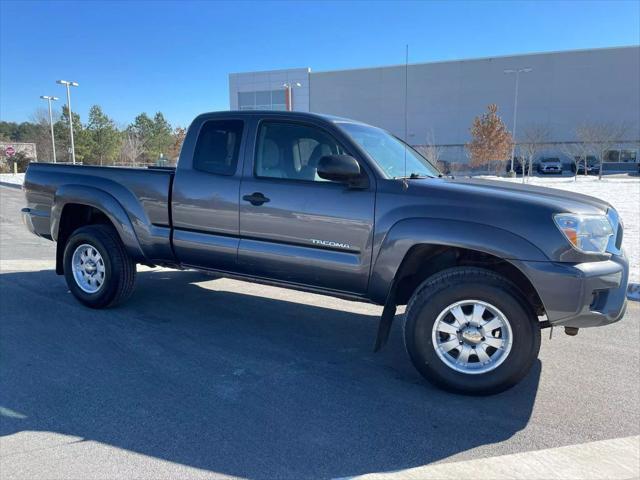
x: 255, y: 199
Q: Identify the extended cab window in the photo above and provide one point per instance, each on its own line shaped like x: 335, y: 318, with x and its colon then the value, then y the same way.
x: 218, y: 147
x: 292, y: 151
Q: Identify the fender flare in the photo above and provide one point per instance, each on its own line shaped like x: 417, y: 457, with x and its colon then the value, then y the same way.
x: 102, y: 201
x: 408, y: 233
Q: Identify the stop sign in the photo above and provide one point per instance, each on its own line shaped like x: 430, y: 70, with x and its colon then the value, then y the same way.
x: 9, y: 151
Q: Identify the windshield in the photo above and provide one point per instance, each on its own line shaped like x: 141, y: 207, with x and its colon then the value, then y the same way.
x: 389, y: 152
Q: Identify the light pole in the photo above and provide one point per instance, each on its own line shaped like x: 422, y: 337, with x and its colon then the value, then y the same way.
x: 517, y: 71
x: 70, y: 84
x: 49, y: 98
x: 289, y: 88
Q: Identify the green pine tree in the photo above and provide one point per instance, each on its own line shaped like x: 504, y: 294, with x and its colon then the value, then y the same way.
x: 103, y: 137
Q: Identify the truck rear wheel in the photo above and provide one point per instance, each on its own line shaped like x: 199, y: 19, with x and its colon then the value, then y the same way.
x: 469, y: 330
x: 98, y: 270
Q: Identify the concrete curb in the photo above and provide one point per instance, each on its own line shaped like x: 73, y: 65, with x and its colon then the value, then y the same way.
x: 618, y: 458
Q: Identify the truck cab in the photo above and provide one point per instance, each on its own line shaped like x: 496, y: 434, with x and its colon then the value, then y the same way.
x: 271, y: 214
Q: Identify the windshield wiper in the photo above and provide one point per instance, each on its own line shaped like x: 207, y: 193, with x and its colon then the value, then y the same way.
x: 413, y: 176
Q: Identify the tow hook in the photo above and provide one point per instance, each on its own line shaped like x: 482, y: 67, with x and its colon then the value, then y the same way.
x: 571, y: 331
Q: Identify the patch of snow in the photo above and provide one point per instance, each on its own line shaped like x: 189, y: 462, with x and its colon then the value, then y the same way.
x: 17, y: 179
x: 622, y: 192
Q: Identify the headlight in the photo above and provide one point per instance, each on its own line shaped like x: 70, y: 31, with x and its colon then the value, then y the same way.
x: 587, y: 233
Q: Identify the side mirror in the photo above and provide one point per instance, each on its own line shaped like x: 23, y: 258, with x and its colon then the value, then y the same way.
x: 340, y: 168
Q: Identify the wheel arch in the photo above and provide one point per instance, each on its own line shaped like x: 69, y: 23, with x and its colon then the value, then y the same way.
x: 76, y: 206
x: 416, y: 249
x: 424, y: 260
x: 417, y: 240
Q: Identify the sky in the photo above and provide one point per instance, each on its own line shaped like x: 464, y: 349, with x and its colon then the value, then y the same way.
x: 175, y: 57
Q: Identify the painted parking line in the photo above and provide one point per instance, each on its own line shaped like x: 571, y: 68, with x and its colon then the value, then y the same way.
x: 618, y: 458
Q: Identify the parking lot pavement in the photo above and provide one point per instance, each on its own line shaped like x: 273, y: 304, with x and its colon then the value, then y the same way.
x: 197, y: 377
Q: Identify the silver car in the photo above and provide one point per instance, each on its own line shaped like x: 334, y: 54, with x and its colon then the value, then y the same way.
x: 550, y: 165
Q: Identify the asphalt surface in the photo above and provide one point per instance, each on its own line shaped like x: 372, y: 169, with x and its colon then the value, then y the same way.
x: 197, y: 377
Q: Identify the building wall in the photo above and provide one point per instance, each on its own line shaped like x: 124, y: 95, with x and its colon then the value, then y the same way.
x: 563, y: 90
x: 271, y: 81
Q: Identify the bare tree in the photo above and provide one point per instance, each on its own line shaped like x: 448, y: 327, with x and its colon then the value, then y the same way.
x: 535, y: 136
x: 430, y: 150
x: 42, y: 133
x: 599, y: 137
x: 132, y: 147
x: 578, y: 152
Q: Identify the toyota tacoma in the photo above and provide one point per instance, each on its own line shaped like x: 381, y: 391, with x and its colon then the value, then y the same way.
x: 337, y: 207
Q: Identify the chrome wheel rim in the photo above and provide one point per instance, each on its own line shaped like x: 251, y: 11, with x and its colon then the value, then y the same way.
x: 88, y: 268
x: 472, y: 337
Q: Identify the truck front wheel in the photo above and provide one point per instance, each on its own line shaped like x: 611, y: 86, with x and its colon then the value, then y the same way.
x: 469, y: 330
x: 98, y: 270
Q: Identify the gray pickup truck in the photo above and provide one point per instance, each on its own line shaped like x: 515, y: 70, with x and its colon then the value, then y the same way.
x: 338, y: 207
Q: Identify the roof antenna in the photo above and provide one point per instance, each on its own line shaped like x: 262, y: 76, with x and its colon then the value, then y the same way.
x: 405, y: 183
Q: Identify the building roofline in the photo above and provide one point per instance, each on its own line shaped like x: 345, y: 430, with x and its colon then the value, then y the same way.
x: 438, y: 62
x: 280, y: 70
x: 513, y: 55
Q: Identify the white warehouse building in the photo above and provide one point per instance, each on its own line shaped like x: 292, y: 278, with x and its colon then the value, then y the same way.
x: 561, y: 92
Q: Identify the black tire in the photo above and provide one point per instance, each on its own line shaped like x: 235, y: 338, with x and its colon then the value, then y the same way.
x: 443, y: 289
x: 120, y: 269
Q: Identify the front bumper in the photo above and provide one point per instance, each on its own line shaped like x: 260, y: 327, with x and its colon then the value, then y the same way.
x: 581, y: 295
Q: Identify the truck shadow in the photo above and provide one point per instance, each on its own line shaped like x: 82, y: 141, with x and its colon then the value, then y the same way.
x: 233, y: 383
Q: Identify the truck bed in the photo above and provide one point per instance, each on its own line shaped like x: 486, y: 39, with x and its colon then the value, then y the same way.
x: 144, y: 193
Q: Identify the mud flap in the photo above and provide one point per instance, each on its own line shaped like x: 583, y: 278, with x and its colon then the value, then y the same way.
x: 384, y: 327
x: 60, y: 244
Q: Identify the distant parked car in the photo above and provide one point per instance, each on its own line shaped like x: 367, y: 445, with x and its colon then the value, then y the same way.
x: 591, y: 167
x: 550, y: 165
x: 517, y: 166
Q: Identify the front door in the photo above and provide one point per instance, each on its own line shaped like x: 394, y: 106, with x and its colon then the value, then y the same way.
x: 295, y: 226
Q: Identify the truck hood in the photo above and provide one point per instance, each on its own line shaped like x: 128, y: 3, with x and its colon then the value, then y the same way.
x: 523, y: 210
x: 556, y: 199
